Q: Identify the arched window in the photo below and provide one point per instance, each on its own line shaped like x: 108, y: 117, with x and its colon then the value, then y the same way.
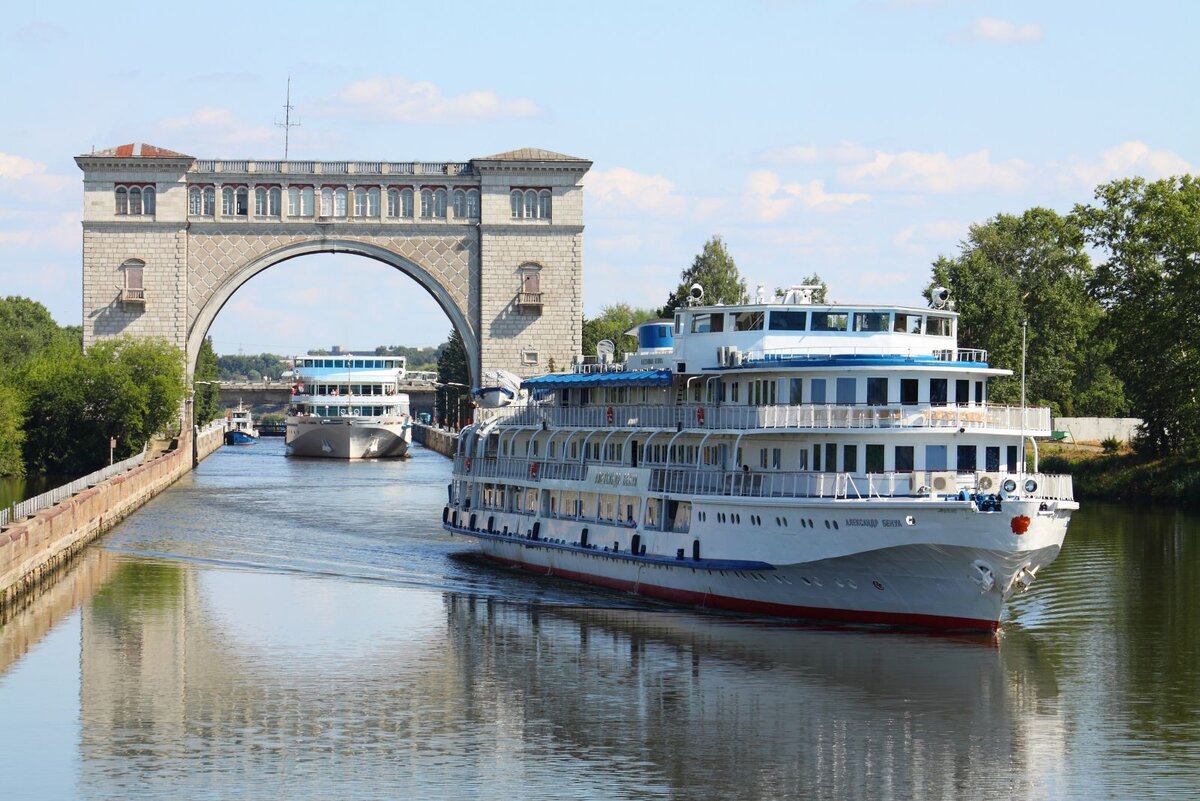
x: 133, y: 289
x: 135, y: 200
x: 373, y: 202
x: 426, y: 202
x: 210, y: 201
x: 260, y: 201
x: 274, y: 201
x: 544, y: 204
x: 473, y: 203
x: 393, y: 203
x: 406, y: 203
x: 514, y: 201
x: 243, y: 202
x: 326, y: 202
x: 308, y: 200
x: 148, y: 198
x: 530, y: 204
x: 460, y: 203
x: 195, y: 201
x: 360, y: 202
x: 227, y: 201
x: 122, y: 200
x: 439, y: 203
x: 339, y: 202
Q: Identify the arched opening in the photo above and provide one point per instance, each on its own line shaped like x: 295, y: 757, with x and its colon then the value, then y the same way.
x: 457, y: 316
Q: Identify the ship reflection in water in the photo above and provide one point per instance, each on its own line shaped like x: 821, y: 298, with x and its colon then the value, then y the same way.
x: 203, y: 682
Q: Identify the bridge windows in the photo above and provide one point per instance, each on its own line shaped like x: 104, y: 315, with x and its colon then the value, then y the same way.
x: 267, y: 201
x: 300, y: 201
x: 235, y: 201
x: 530, y: 204
x: 134, y: 200
x: 400, y: 203
x: 433, y: 203
x: 339, y: 201
x: 366, y: 202
x: 466, y: 204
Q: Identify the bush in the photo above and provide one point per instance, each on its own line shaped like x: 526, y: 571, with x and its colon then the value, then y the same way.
x: 1111, y: 445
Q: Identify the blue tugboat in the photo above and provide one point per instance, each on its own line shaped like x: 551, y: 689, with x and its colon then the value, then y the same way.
x: 239, y: 427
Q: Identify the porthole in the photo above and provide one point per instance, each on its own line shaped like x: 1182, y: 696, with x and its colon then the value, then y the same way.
x: 835, y: 525
x: 826, y: 524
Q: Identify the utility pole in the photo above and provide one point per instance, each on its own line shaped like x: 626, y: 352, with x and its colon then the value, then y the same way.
x: 287, y: 125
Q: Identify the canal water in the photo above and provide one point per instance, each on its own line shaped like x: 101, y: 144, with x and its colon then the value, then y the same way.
x: 275, y: 628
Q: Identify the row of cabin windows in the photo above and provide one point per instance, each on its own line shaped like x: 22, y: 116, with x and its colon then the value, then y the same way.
x: 357, y: 364
x: 135, y: 200
x: 839, y: 321
x: 530, y: 204
x: 334, y: 202
x: 879, y: 391
x: 344, y: 411
x: 350, y: 389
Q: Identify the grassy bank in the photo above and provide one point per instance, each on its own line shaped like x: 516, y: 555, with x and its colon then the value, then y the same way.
x: 1126, y: 477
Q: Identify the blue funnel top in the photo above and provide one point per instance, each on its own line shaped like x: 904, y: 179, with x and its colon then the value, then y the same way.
x: 655, y: 335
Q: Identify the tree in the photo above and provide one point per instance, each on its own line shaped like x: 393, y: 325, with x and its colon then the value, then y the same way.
x: 714, y: 269
x: 26, y: 329
x: 1033, y: 267
x: 454, y: 379
x: 129, y: 389
x: 12, y: 433
x: 612, y: 324
x: 207, y: 398
x: 1149, y: 281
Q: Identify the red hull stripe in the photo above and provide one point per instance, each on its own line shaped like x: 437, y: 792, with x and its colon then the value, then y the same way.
x: 701, y: 599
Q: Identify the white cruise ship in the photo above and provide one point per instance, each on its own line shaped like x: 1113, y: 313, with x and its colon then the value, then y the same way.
x: 794, y: 459
x: 348, y: 406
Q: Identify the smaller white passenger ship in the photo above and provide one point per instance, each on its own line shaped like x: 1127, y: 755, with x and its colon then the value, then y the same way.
x: 349, y: 406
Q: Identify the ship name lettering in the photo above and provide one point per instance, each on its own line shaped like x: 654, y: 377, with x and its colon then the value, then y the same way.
x: 861, y: 522
x: 617, y: 479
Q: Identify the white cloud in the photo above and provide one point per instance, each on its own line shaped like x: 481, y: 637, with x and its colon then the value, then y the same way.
x: 214, y: 127
x: 16, y: 170
x: 938, y: 172
x: 397, y: 99
x: 1128, y: 158
x: 768, y: 198
x: 928, y: 238
x: 841, y: 153
x: 993, y: 29
x: 622, y: 188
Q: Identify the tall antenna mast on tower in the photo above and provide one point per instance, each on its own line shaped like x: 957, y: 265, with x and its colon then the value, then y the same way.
x: 287, y: 125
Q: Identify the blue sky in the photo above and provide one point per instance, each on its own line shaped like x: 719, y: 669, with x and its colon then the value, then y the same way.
x: 855, y: 139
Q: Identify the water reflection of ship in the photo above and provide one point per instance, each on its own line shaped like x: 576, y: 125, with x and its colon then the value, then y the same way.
x: 729, y: 708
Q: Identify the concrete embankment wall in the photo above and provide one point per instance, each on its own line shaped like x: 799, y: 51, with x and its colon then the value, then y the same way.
x: 33, y: 548
x: 435, y: 439
x: 1098, y: 429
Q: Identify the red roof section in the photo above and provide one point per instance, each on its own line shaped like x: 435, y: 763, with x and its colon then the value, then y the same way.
x: 140, y: 150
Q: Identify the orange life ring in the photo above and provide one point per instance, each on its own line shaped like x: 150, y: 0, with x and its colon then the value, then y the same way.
x: 1020, y: 524
x: 700, y: 415
x: 468, y: 464
x: 609, y: 415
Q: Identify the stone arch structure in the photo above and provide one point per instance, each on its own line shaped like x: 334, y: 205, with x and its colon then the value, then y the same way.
x: 214, y: 224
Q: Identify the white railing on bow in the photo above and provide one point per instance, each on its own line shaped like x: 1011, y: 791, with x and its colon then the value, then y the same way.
x: 37, y: 503
x: 1034, y: 420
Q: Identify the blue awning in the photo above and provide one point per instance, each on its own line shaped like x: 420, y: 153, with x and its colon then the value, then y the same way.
x: 633, y: 378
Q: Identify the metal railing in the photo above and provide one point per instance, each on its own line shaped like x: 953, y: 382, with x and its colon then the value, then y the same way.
x: 37, y: 503
x: 843, y: 349
x: 769, y: 484
x: 332, y: 167
x: 1034, y: 420
x: 529, y: 298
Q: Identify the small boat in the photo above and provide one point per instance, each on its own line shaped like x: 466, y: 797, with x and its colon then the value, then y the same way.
x: 239, y: 427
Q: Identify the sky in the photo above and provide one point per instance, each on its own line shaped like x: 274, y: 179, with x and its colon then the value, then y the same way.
x: 858, y: 140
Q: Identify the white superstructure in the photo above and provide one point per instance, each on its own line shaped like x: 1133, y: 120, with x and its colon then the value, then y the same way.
x: 348, y: 406
x: 787, y: 458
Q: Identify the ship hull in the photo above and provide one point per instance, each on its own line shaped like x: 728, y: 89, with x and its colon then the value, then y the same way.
x: 347, y: 438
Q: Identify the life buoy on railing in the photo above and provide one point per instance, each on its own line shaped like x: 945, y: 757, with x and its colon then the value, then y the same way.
x: 700, y: 415
x: 608, y: 415
x: 533, y: 470
x: 467, y: 464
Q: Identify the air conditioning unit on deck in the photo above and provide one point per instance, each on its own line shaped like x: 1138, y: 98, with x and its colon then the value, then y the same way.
x: 943, y: 481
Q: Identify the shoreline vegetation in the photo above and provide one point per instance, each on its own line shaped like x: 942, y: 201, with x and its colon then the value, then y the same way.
x: 1127, y: 476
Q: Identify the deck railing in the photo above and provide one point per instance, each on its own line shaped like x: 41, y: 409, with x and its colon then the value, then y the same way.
x: 771, y: 484
x: 1035, y: 421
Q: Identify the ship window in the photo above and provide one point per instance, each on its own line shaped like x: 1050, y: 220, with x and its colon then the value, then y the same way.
x: 935, y: 457
x: 962, y: 392
x: 991, y: 458
x: 1011, y: 458
x: 937, y: 326
x: 904, y: 458
x: 877, y: 391
x: 846, y: 391
x: 908, y: 391
x: 816, y: 458
x: 907, y: 323
x: 776, y: 458
x: 978, y: 393
x: 748, y: 321
x: 937, y: 391
x: 733, y: 393
x: 795, y: 391
x: 788, y: 321
x: 708, y: 323
x: 829, y: 321
x: 830, y: 458
x: 850, y: 459
x: 762, y: 458
x: 966, y: 458
x: 817, y: 390
x: 871, y: 321
x: 874, y: 458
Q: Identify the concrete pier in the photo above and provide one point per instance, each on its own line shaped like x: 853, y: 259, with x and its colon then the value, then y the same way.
x: 435, y: 439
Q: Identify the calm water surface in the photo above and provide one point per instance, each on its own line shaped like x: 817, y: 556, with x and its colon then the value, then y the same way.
x: 275, y: 628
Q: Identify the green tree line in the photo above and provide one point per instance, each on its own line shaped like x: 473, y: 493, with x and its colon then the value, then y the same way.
x: 59, y: 406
